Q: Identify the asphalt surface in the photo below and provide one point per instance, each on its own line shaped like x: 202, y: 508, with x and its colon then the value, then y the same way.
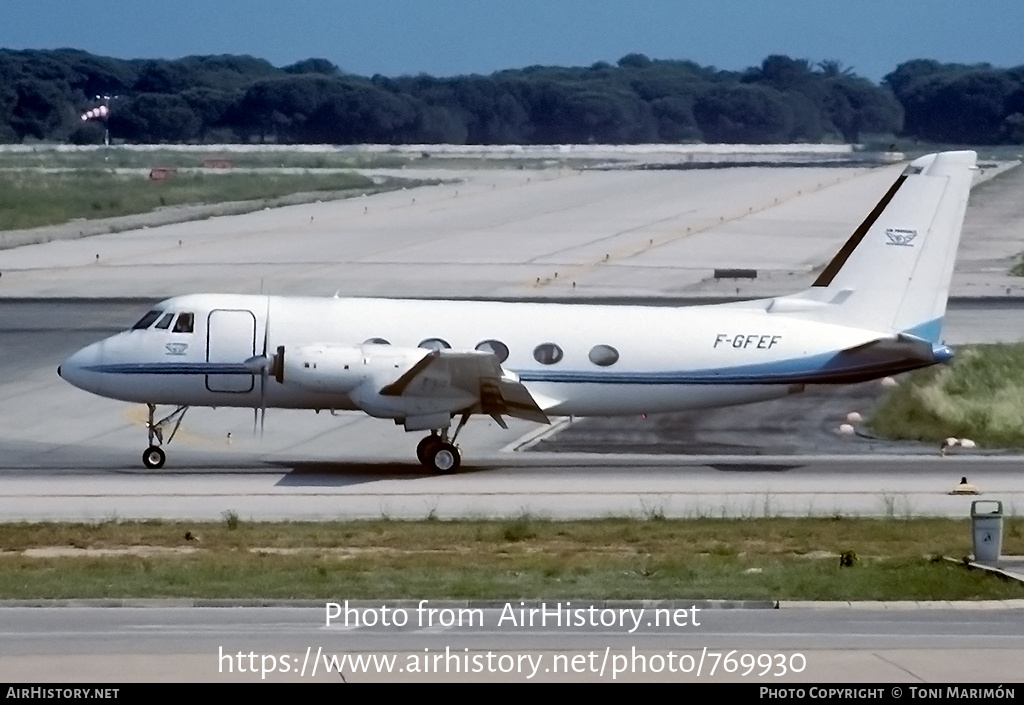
x: 66, y: 454
x: 872, y: 643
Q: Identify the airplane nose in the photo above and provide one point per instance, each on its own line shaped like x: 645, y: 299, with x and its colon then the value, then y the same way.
x: 76, y: 369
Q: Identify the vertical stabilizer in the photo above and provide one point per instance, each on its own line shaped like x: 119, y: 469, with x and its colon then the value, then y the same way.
x: 893, y: 274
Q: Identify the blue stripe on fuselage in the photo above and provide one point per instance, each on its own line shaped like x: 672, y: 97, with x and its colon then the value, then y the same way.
x: 822, y: 369
x: 173, y: 368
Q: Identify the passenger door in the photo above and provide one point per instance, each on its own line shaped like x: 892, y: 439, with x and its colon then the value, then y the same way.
x: 230, y: 341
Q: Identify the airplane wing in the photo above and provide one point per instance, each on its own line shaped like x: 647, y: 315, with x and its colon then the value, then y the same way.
x: 475, y: 373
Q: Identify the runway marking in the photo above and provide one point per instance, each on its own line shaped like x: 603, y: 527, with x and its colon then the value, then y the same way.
x: 535, y: 436
x: 573, y: 272
x: 899, y: 667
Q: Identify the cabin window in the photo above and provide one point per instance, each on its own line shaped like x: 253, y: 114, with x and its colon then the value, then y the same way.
x: 185, y: 323
x: 147, y: 320
x: 603, y: 355
x: 547, y: 353
x: 376, y: 341
x: 434, y: 344
x: 496, y: 348
x: 165, y: 321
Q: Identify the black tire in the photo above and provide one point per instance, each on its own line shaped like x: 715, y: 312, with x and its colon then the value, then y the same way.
x: 445, y: 458
x: 154, y: 458
x: 424, y: 448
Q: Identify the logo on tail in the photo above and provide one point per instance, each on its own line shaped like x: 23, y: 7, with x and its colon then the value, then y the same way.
x: 900, y: 236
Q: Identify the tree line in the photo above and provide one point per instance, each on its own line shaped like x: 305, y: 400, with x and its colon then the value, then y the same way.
x: 636, y: 100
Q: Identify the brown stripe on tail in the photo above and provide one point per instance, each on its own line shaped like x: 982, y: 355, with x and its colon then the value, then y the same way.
x: 829, y: 273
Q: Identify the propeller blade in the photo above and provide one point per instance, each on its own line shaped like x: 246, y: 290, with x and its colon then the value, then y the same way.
x: 263, y: 419
x: 264, y: 371
x: 260, y: 365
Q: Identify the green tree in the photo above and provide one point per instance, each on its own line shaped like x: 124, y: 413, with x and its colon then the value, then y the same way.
x: 856, y: 107
x: 674, y: 116
x: 634, y: 61
x: 162, y: 77
x: 40, y: 108
x: 967, y: 108
x: 321, y: 66
x: 743, y: 114
x: 210, y: 106
x: 154, y: 117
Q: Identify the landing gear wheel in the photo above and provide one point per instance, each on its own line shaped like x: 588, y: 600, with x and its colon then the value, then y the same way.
x: 424, y: 447
x: 444, y: 458
x: 154, y: 458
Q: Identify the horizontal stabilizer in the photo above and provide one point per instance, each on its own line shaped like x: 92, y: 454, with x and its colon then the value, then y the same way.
x: 903, y: 346
x: 881, y: 358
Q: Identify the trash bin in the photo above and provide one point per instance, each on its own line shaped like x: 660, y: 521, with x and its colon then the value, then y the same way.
x: 987, y: 525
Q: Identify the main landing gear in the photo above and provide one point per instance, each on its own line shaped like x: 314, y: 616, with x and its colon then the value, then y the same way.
x: 439, y: 453
x: 154, y: 456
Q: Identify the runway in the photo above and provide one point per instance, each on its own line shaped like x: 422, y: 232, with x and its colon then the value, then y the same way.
x: 70, y: 455
x: 874, y: 643
x: 65, y: 454
x: 497, y: 233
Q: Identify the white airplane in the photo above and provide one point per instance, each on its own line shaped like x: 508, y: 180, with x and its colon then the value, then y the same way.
x: 875, y: 310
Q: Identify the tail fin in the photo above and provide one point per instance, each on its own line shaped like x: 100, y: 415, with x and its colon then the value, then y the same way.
x: 893, y: 274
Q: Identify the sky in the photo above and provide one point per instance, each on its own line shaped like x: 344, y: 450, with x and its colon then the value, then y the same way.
x: 454, y: 37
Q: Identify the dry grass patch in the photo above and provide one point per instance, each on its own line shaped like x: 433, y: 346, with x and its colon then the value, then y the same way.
x: 517, y: 558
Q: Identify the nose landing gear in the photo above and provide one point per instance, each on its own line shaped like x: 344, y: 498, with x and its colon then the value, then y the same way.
x: 154, y: 456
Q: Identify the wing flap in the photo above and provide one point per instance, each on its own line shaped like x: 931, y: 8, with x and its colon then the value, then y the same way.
x: 451, y: 373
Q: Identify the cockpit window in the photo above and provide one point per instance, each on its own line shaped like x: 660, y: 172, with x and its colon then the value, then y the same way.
x: 165, y: 321
x: 147, y: 320
x: 184, y: 323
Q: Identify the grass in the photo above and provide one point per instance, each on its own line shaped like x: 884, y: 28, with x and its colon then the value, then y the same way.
x: 29, y: 199
x: 119, y: 158
x: 980, y: 396
x: 1018, y: 269
x: 520, y: 558
x: 341, y: 158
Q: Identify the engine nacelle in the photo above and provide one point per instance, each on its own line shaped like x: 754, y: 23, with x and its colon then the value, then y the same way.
x: 341, y: 369
x: 362, y: 377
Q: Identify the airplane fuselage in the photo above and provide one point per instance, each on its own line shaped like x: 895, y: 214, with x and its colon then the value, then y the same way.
x: 875, y: 309
x: 578, y: 359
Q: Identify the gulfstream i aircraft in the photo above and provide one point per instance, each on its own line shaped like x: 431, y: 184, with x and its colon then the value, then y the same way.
x: 875, y: 310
